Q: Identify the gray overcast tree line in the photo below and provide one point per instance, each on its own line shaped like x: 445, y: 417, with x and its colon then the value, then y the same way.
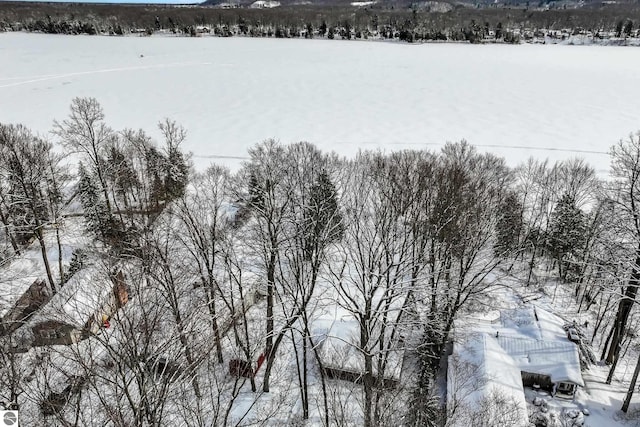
x: 243, y: 266
x: 406, y: 22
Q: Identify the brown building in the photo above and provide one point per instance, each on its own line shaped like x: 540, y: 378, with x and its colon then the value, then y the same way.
x: 82, y: 307
x: 35, y: 296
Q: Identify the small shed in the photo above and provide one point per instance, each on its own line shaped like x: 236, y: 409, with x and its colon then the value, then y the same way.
x: 244, y: 368
x: 343, y: 359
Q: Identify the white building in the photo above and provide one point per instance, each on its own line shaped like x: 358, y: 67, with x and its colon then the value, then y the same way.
x: 492, y: 362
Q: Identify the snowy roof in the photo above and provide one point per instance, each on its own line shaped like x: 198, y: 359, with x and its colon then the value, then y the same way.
x: 557, y: 359
x: 266, y: 4
x: 535, y: 322
x: 550, y: 324
x: 15, y: 282
x: 537, y: 341
x: 79, y: 299
x: 489, y: 357
x: 480, y: 371
x: 339, y: 348
x: 17, y: 276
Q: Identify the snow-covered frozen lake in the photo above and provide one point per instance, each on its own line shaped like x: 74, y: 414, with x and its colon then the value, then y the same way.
x: 340, y: 95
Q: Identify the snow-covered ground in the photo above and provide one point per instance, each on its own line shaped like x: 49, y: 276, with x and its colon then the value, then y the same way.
x: 556, y: 305
x: 19, y: 272
x: 343, y: 96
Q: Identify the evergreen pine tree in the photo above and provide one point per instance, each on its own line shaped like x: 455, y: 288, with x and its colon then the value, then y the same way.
x: 96, y: 214
x: 322, y: 216
x: 566, y: 233
x: 509, y: 226
x: 121, y: 174
x: 256, y: 192
x: 322, y: 30
x: 628, y: 27
x: 77, y: 263
x: 176, y: 174
x: 154, y: 161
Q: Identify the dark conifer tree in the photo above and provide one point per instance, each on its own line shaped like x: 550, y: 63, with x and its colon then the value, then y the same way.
x: 323, y: 220
x: 322, y: 30
x: 176, y: 174
x: 96, y: 214
x: 154, y: 163
x: 509, y: 226
x: 256, y: 192
x: 566, y: 234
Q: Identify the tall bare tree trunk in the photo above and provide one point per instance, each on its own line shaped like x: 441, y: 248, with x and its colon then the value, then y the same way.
x: 632, y: 387
x: 624, y: 310
x: 45, y: 258
x: 268, y: 348
x: 12, y: 239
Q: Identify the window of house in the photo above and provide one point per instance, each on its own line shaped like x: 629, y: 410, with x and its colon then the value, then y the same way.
x: 49, y: 334
x: 564, y: 387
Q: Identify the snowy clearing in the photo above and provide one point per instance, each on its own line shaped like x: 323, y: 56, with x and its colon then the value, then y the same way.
x: 230, y: 94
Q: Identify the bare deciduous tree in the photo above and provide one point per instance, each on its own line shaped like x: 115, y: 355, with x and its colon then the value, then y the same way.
x: 34, y: 192
x: 86, y: 133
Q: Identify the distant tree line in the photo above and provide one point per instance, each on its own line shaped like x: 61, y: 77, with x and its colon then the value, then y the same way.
x: 407, y: 23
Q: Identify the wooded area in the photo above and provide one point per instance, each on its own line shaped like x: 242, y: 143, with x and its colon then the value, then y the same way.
x: 406, y: 22
x: 224, y: 266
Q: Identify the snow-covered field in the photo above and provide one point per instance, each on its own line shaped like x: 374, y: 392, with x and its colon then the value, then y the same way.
x: 342, y: 96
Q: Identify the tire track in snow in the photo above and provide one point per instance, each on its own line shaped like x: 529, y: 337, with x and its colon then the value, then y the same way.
x: 28, y: 77
x: 107, y: 70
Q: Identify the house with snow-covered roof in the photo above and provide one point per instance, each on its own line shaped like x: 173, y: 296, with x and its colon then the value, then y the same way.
x: 21, y: 299
x: 484, y: 381
x: 552, y: 365
x: 528, y: 347
x: 537, y: 341
x: 80, y: 308
x: 23, y: 282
